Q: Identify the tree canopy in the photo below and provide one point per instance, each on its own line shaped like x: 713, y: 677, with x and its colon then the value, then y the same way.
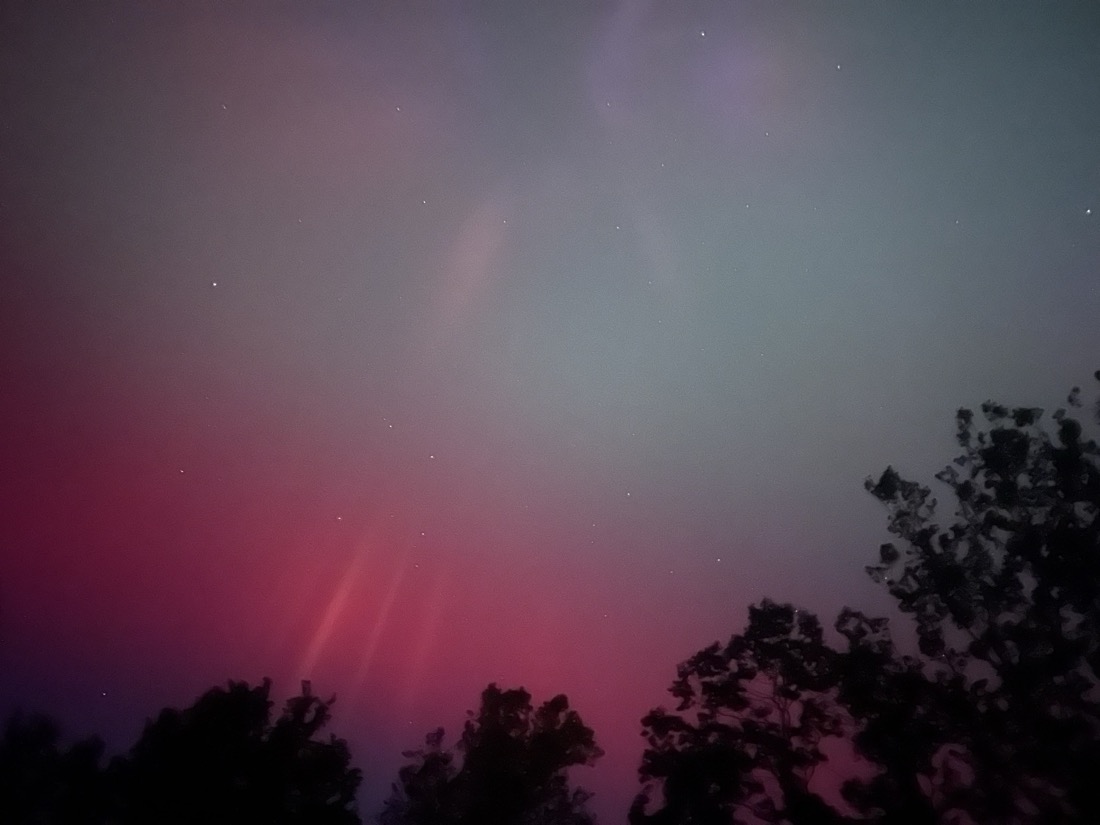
x: 994, y: 718
x: 42, y: 781
x: 221, y: 760
x: 224, y: 760
x: 508, y: 768
x: 746, y: 734
x: 1006, y: 602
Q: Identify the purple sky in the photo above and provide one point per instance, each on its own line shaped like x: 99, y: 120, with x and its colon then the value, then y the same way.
x: 407, y: 347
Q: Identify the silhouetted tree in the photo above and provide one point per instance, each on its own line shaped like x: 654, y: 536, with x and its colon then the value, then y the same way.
x: 42, y: 783
x: 995, y: 719
x: 222, y: 760
x: 509, y: 768
x: 900, y: 717
x: 1006, y: 600
x: 745, y: 738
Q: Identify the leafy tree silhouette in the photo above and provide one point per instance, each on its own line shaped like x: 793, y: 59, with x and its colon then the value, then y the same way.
x: 40, y: 782
x: 996, y: 719
x: 746, y: 735
x: 222, y: 760
x: 1006, y: 600
x: 509, y: 768
x: 900, y: 716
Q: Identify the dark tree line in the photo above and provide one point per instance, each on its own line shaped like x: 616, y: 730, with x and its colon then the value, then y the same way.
x: 222, y: 760
x: 508, y: 768
x: 993, y: 718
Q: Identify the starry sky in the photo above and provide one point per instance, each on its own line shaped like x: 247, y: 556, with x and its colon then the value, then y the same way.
x: 410, y: 346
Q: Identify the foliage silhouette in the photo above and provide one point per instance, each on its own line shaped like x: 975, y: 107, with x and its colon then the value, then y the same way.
x: 1006, y: 600
x: 509, y: 768
x: 995, y: 719
x: 40, y: 782
x: 745, y: 737
x: 899, y: 719
x: 222, y: 760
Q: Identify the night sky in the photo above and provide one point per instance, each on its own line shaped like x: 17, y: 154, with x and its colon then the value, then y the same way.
x: 407, y: 347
